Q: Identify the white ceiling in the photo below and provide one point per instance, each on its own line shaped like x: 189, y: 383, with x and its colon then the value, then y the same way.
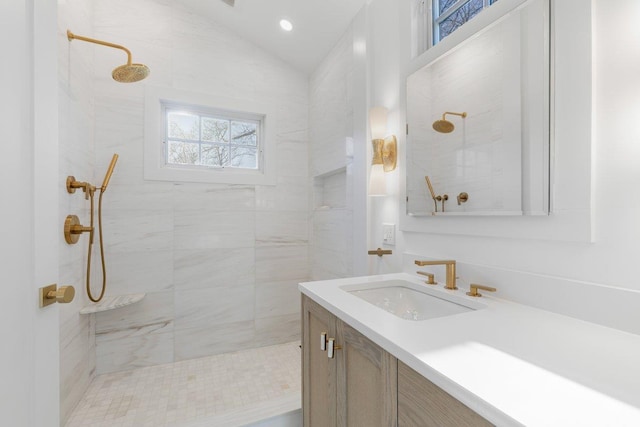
x: 317, y: 25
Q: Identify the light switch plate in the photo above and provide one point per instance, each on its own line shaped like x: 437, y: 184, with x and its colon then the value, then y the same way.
x: 389, y: 234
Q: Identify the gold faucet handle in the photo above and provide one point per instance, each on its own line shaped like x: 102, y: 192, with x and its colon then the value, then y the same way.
x: 431, y: 277
x: 473, y: 291
x: 423, y: 263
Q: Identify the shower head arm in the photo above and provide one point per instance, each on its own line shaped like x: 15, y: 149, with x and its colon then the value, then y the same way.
x: 463, y: 115
x: 72, y: 36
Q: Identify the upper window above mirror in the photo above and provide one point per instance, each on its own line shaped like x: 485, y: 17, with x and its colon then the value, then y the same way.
x: 433, y: 20
x: 449, y: 15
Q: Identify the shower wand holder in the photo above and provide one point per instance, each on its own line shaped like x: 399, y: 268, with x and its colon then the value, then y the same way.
x: 72, y: 185
x: 73, y: 229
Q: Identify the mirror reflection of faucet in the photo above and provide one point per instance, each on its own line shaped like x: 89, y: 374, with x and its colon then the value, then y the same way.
x: 444, y: 199
x: 435, y: 198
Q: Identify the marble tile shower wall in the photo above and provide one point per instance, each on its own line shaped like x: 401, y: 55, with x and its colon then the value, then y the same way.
x: 76, y: 157
x: 331, y: 138
x: 219, y: 263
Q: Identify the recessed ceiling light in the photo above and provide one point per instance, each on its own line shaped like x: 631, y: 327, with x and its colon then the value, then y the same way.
x: 286, y: 25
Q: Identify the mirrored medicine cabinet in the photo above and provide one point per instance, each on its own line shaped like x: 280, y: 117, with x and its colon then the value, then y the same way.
x: 478, y: 120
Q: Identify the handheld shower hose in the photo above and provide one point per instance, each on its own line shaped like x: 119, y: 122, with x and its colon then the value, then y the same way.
x: 92, y: 190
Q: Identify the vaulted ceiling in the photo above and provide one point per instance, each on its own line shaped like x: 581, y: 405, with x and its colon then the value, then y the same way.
x: 317, y: 25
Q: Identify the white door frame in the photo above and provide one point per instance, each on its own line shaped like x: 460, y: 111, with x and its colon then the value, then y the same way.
x: 29, y: 229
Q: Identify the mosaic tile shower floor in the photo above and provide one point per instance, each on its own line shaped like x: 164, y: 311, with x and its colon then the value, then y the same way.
x: 232, y: 389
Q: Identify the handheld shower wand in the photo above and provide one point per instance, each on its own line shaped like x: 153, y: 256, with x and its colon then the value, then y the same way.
x: 102, y: 189
x: 73, y: 228
x: 107, y: 176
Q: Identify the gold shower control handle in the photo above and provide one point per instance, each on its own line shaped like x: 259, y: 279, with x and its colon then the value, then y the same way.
x: 463, y: 198
x: 63, y: 295
x: 52, y: 294
x: 73, y: 229
x: 72, y: 185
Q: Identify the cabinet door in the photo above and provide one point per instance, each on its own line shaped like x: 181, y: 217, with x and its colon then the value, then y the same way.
x: 367, y: 381
x: 318, y: 371
x: 423, y: 404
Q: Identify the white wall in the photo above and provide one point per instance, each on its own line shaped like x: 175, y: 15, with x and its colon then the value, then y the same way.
x: 29, y: 392
x: 337, y: 158
x: 219, y: 263
x: 16, y: 224
x: 581, y: 260
x: 76, y: 157
x: 384, y: 54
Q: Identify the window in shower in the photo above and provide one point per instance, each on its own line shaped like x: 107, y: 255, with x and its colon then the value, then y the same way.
x: 197, y: 137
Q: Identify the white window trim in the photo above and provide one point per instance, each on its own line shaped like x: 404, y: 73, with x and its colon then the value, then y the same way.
x: 492, y: 14
x: 155, y: 167
x: 437, y: 18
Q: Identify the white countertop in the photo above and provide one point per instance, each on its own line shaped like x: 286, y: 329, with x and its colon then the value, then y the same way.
x: 512, y: 364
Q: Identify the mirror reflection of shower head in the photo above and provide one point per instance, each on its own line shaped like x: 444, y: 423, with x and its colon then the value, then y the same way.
x: 107, y: 176
x: 444, y: 125
x: 127, y: 73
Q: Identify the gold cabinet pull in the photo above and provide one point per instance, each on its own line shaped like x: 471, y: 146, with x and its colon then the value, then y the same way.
x: 331, y: 347
x: 473, y: 290
x: 323, y: 341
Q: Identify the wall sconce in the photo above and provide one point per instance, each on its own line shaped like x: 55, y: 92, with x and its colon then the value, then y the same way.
x: 385, y: 151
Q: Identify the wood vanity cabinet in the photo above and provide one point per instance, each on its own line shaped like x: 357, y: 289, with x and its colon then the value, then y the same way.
x: 363, y: 385
x: 358, y: 387
x: 422, y: 403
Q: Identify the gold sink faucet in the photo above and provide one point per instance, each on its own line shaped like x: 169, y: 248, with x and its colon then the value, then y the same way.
x: 451, y: 271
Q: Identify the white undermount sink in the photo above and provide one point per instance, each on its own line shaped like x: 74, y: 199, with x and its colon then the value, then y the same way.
x: 411, y: 301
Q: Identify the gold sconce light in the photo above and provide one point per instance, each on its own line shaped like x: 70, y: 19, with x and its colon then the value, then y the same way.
x: 385, y: 151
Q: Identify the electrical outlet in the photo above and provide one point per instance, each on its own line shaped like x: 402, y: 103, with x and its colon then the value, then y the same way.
x: 389, y: 234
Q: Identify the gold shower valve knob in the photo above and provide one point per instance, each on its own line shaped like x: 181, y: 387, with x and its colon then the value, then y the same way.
x: 52, y: 294
x: 73, y: 229
x: 63, y: 295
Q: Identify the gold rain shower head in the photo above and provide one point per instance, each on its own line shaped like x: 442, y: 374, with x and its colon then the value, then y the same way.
x: 444, y: 125
x: 127, y: 73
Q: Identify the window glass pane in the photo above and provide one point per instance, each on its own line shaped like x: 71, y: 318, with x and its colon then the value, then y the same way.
x: 215, y: 155
x: 182, y: 153
x: 215, y: 130
x: 210, y: 140
x: 444, y: 5
x: 183, y: 126
x: 459, y: 17
x: 244, y: 157
x: 244, y: 133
